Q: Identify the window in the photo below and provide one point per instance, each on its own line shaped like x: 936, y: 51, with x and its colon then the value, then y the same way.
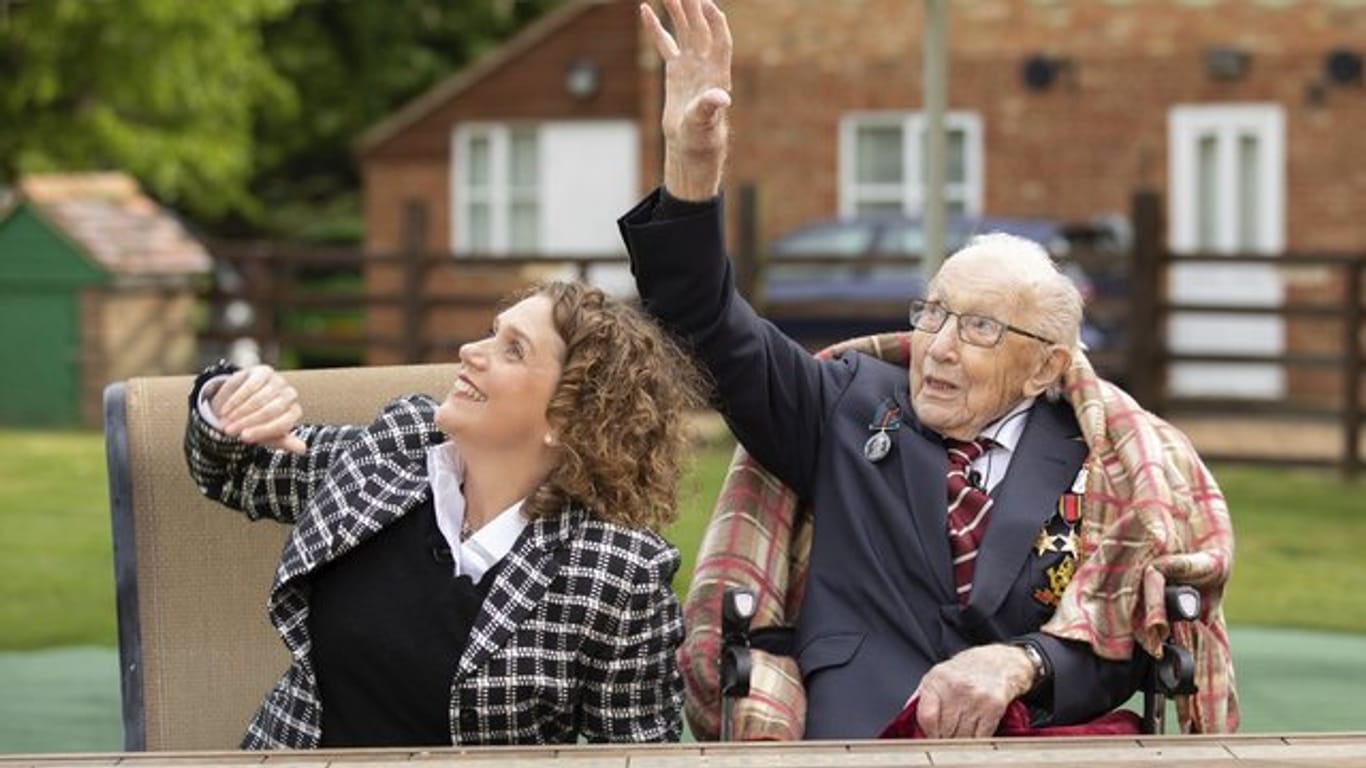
x: 496, y: 189
x: 1228, y: 178
x: 883, y: 170
x: 1227, y: 196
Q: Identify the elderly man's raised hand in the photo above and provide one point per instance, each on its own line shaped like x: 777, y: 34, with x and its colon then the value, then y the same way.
x: 696, y: 94
x: 966, y: 696
x: 257, y: 406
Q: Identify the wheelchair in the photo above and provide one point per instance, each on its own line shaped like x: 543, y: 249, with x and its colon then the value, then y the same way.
x: 751, y: 620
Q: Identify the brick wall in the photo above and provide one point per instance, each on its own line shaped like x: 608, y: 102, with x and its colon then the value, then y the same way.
x: 1080, y: 147
x: 1075, y: 150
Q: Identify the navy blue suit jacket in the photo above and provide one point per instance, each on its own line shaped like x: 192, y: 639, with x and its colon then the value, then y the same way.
x: 879, y: 609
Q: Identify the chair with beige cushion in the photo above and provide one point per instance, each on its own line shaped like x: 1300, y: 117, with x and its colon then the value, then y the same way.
x: 196, y: 650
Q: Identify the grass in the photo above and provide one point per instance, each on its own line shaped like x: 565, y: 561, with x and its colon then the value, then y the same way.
x: 56, y: 559
x: 1298, y: 538
x: 1298, y: 563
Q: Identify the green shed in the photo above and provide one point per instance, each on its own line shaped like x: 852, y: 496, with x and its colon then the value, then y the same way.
x: 95, y: 286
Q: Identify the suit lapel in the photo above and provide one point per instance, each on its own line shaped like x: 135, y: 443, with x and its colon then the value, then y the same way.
x: 519, y: 586
x: 1047, y: 458
x: 927, y: 494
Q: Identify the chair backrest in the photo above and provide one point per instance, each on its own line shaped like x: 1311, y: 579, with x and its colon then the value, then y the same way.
x: 196, y: 651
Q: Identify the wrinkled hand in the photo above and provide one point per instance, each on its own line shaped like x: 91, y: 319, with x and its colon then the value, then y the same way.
x: 257, y: 406
x: 966, y: 696
x: 696, y: 94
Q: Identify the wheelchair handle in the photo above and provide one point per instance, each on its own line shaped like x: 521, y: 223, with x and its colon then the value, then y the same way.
x: 1183, y: 603
x: 738, y: 606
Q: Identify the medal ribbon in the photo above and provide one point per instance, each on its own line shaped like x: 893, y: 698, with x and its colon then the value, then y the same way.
x: 887, y: 417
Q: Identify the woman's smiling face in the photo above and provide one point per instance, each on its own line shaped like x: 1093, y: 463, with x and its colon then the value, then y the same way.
x: 499, y: 398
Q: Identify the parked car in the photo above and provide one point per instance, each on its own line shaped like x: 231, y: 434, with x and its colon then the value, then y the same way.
x: 854, y: 286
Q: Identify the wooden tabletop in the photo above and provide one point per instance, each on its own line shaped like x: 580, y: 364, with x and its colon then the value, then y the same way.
x: 1341, y: 749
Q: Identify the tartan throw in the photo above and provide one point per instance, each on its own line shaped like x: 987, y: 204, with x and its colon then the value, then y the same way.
x: 1152, y: 513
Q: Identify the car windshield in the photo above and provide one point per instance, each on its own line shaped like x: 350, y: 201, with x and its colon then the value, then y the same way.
x: 830, y: 240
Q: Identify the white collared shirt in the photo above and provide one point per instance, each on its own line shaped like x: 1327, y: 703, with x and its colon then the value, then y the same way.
x: 1005, y: 432
x: 491, y: 543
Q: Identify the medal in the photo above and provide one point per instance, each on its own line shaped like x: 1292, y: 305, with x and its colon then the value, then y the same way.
x: 877, y: 447
x: 887, y: 418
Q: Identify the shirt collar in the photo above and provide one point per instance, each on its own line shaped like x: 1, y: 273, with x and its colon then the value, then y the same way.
x: 1006, y: 431
x: 488, y: 545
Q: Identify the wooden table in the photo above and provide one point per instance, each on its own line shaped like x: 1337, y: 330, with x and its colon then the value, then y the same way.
x: 1346, y: 749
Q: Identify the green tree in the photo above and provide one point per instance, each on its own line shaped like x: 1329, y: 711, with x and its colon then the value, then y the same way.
x: 167, y: 90
x: 241, y: 112
x: 352, y: 63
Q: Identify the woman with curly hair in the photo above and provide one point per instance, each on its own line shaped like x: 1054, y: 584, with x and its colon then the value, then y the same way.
x: 487, y: 569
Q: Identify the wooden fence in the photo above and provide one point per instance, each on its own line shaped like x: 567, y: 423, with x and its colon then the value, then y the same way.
x: 310, y: 298
x: 1334, y: 302
x: 359, y: 306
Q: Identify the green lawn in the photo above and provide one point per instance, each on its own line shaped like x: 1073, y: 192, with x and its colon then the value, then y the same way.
x: 1298, y: 560
x: 56, y: 560
x: 1299, y: 536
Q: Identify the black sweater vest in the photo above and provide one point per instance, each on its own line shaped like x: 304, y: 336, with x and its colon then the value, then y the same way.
x: 389, y: 623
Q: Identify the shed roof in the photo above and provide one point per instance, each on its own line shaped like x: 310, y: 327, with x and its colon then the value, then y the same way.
x: 120, y: 228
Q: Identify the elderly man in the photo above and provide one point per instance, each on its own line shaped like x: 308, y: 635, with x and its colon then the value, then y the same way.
x: 947, y: 502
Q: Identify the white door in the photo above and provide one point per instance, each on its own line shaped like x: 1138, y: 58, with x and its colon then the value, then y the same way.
x: 1227, y: 195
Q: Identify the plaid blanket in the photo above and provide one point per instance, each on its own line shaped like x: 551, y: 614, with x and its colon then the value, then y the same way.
x: 1152, y: 513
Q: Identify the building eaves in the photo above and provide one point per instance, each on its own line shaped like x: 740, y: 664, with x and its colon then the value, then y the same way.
x: 448, y: 89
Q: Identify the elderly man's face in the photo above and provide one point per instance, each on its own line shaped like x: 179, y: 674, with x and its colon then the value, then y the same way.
x: 957, y: 388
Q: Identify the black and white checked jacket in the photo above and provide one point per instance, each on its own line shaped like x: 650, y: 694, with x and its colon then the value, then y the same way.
x: 576, y: 637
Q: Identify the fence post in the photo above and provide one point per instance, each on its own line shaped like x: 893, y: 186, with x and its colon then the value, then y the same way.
x: 413, y: 301
x: 263, y: 294
x: 1351, y: 379
x: 1147, y: 354
x: 747, y: 256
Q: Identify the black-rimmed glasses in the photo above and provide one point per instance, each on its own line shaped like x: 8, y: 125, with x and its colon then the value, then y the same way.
x: 977, y: 330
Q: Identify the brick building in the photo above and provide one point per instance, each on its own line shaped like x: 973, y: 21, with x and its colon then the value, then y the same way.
x: 1246, y: 115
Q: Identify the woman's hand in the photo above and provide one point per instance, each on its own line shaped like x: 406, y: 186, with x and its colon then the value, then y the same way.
x: 257, y: 406
x: 696, y: 94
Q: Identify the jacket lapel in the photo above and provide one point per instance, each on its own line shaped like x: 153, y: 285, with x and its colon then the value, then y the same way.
x: 1047, y: 458
x: 340, y: 519
x: 519, y: 586
x: 925, y: 466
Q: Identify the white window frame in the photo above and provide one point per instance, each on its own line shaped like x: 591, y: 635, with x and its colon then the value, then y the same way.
x: 1186, y: 124
x: 499, y: 195
x: 910, y: 191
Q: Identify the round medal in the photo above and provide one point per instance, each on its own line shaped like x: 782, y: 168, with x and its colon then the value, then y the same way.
x: 877, y: 446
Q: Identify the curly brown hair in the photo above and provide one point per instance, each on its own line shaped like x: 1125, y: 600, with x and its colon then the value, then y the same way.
x: 618, y: 411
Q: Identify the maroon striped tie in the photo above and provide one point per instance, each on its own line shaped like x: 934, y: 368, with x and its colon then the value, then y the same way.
x: 969, y: 512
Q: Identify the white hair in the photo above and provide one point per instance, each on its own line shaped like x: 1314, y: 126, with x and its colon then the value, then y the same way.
x: 1050, y: 300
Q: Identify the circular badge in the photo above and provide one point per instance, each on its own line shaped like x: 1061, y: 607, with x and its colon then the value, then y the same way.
x: 877, y: 446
